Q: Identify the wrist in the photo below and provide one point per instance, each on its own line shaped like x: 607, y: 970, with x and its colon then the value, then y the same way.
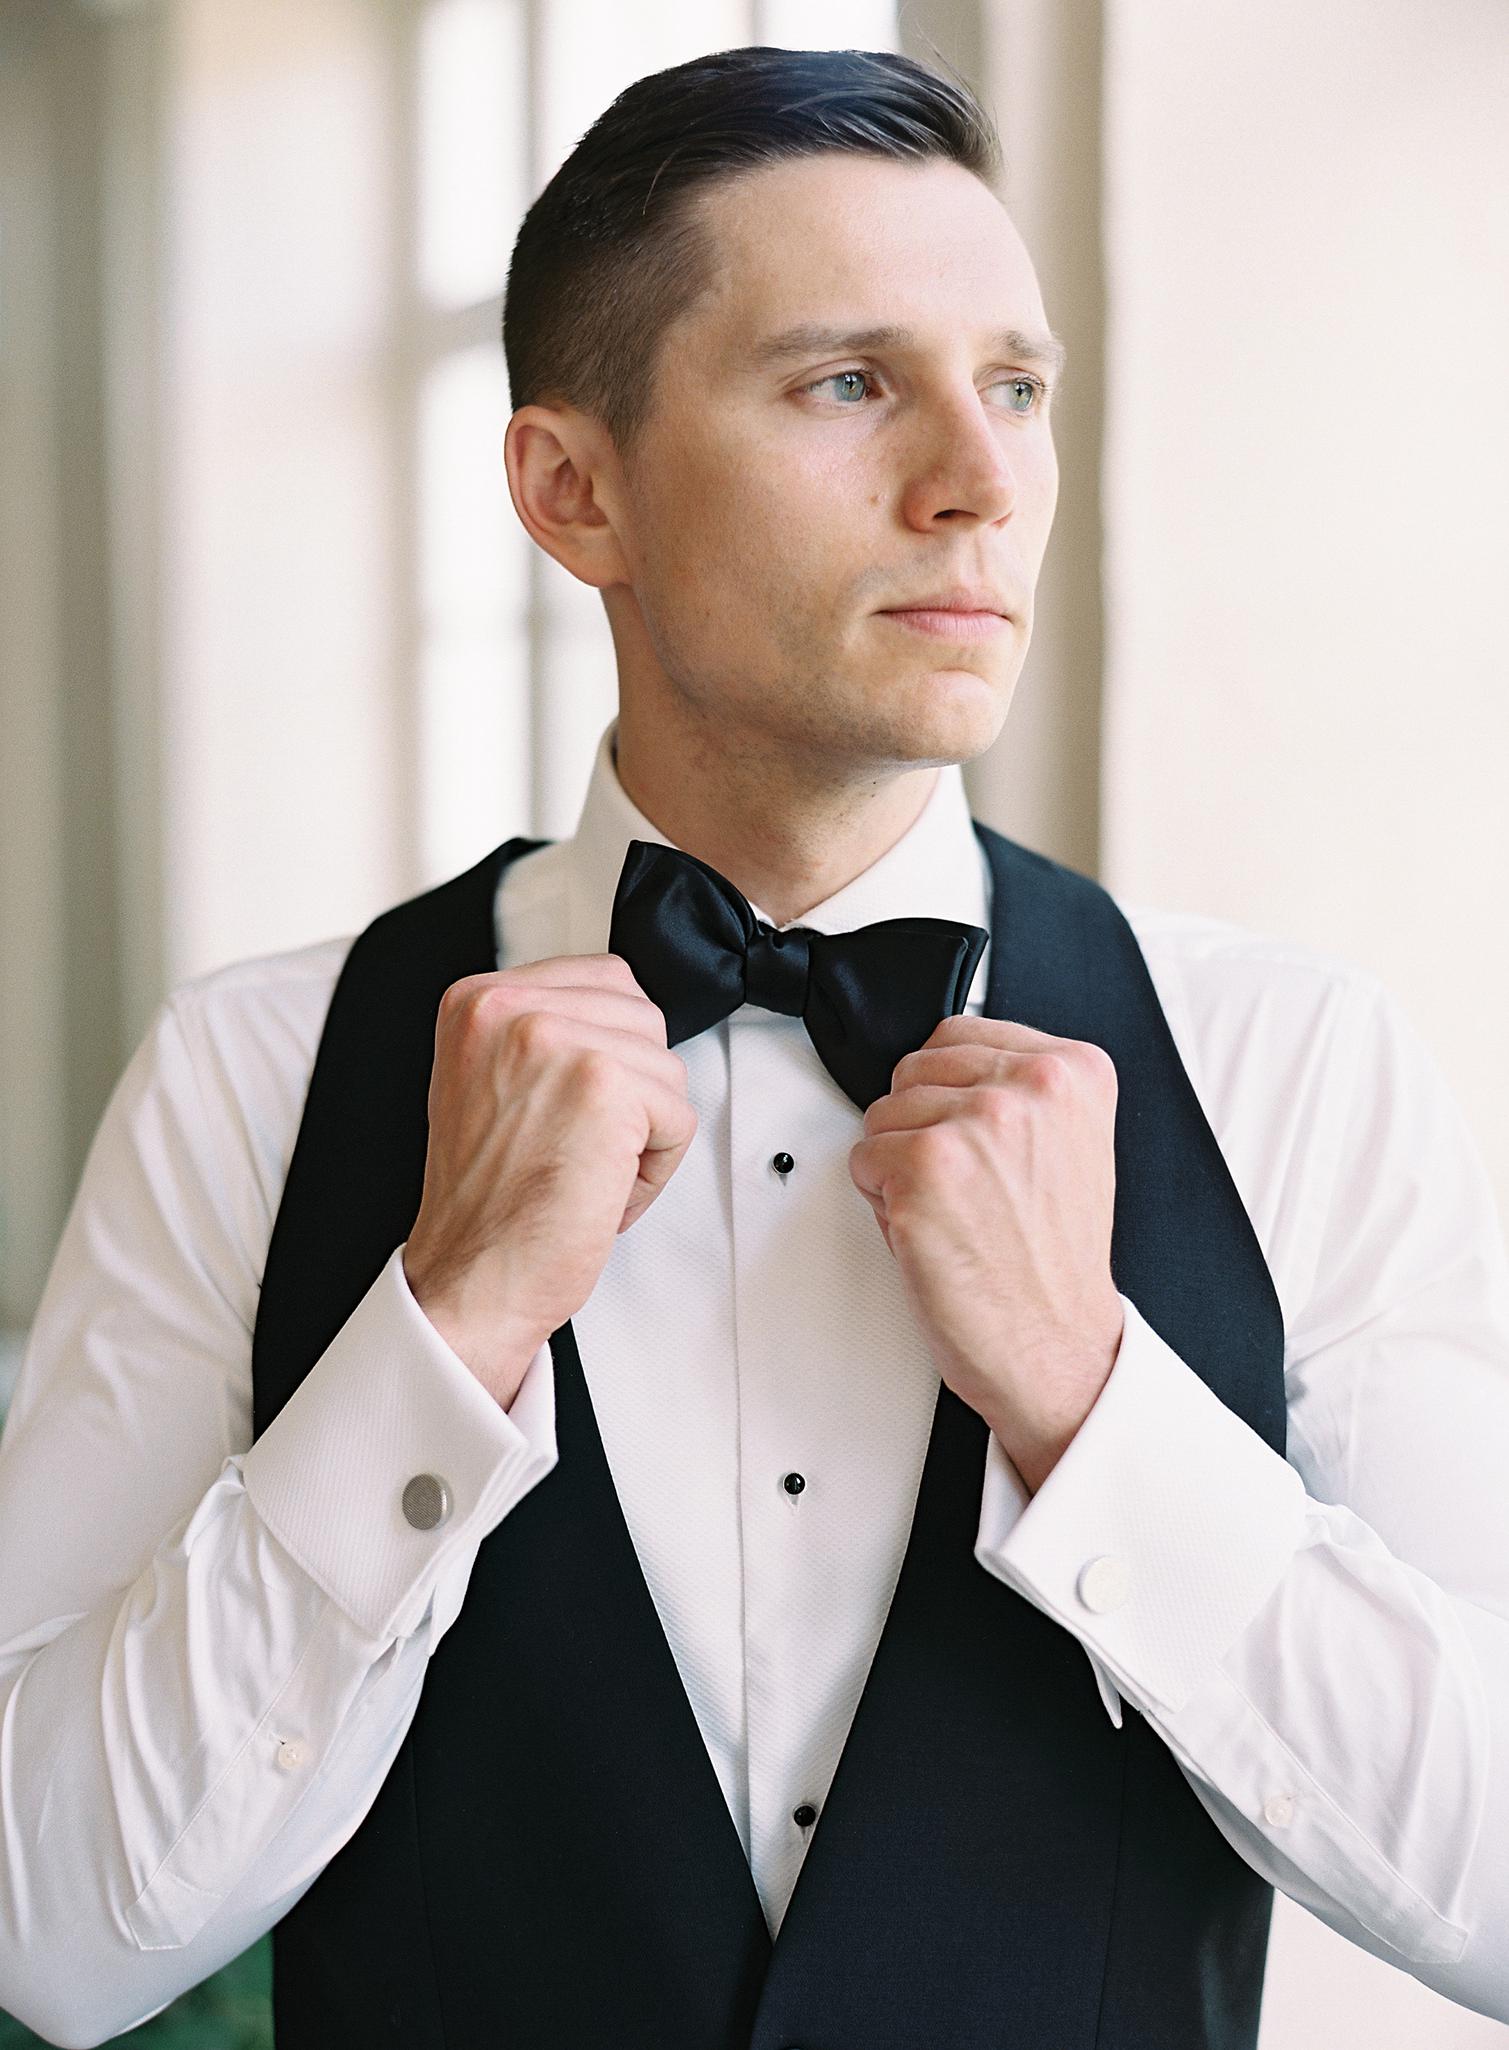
x: 495, y: 1346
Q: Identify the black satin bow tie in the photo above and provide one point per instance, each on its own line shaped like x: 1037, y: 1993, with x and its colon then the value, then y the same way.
x: 866, y: 997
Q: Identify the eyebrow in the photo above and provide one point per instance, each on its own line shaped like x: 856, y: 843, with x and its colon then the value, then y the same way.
x: 812, y: 338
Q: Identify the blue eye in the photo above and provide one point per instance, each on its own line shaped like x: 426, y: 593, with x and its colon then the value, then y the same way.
x: 864, y: 375
x: 1034, y: 387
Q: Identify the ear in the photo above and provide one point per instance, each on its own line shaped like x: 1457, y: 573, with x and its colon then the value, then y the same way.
x: 566, y: 485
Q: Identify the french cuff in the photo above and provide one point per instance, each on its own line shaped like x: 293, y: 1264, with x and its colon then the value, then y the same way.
x: 1160, y: 1533
x: 387, y: 1404
x: 1003, y: 1499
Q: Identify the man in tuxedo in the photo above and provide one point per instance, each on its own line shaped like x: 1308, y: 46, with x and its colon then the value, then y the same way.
x: 731, y: 1349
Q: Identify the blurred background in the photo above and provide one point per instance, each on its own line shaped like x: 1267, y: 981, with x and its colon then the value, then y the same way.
x: 275, y: 651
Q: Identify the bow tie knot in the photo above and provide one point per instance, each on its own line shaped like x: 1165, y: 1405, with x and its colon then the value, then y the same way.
x: 866, y: 997
x: 778, y: 968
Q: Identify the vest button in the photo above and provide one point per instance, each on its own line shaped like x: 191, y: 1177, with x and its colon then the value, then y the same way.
x: 805, y: 1816
x: 426, y: 1501
x: 782, y: 1163
x: 793, y: 1483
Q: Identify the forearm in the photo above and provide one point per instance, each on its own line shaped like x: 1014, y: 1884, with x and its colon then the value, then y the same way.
x: 178, y: 1757
x: 145, y: 1773
x: 1354, y: 1744
x: 1343, y: 1718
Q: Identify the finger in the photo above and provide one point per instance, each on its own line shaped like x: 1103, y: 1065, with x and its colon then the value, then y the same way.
x: 560, y: 971
x: 606, y: 997
x: 875, y: 1160
x: 589, y: 971
x: 1083, y: 1056
x: 673, y: 1125
x: 672, y: 1121
x: 926, y: 1103
x: 622, y: 1036
x: 962, y: 1063
x: 1001, y: 1032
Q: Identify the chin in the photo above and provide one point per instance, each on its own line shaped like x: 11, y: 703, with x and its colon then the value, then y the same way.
x: 952, y: 715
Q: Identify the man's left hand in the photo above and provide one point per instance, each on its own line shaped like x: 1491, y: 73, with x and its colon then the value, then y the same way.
x: 990, y: 1167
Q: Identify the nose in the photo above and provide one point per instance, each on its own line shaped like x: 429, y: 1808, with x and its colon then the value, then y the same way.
x: 964, y: 466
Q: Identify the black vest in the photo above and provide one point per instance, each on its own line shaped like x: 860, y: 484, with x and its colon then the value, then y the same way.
x: 550, y: 1863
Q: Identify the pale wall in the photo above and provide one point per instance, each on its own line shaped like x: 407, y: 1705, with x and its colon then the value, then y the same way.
x: 1307, y: 519
x: 1307, y: 680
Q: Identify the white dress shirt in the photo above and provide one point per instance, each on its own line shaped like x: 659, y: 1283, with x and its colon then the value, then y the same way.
x: 210, y: 1650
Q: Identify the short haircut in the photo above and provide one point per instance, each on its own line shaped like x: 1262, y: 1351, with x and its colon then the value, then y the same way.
x: 614, y: 248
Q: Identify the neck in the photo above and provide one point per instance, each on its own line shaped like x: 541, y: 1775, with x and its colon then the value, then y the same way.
x: 787, y: 828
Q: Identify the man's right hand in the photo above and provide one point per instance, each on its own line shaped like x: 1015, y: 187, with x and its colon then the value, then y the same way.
x: 557, y: 1115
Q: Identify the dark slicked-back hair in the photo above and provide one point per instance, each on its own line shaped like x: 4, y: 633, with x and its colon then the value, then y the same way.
x: 614, y: 248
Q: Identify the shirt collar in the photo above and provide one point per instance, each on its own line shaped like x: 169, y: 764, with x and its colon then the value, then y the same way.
x: 935, y: 870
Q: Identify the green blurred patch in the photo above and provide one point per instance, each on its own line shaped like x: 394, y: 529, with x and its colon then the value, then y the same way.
x: 231, y: 2011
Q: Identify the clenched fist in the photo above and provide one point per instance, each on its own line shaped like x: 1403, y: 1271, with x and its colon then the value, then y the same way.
x: 557, y: 1115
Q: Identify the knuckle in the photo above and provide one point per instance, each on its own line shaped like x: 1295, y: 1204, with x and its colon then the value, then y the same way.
x: 1098, y: 1063
x: 533, y: 1032
x: 469, y: 1012
x: 998, y: 1101
x: 1046, y: 1074
x: 622, y: 976
x: 594, y: 1074
x: 460, y: 996
x: 493, y: 998
x: 936, y: 1148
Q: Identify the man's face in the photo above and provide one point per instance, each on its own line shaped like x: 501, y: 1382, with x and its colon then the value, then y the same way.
x: 776, y: 506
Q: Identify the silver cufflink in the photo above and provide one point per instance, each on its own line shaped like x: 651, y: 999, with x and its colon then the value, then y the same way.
x: 426, y: 1501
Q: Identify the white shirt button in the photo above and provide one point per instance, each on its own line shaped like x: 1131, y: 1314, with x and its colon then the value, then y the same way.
x: 291, y: 1754
x: 1278, y: 1810
x: 1105, y: 1583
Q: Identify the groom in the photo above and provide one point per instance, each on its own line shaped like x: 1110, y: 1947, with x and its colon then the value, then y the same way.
x: 783, y: 384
